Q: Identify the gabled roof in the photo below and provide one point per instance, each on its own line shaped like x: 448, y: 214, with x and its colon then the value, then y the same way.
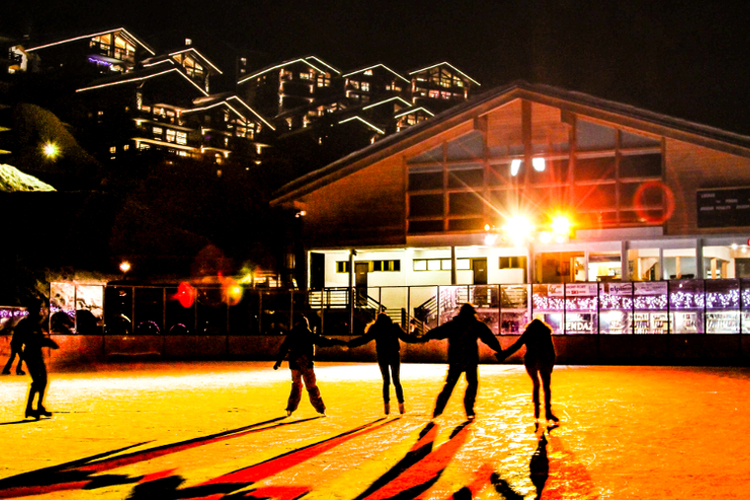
x: 231, y: 101
x: 359, y: 119
x: 319, y: 62
x: 576, y: 102
x: 197, y: 54
x: 280, y: 65
x: 416, y: 109
x: 445, y: 63
x: 138, y: 76
x: 91, y: 35
x: 362, y: 70
x: 386, y: 101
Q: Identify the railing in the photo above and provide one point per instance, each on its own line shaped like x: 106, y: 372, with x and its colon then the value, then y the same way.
x: 658, y: 307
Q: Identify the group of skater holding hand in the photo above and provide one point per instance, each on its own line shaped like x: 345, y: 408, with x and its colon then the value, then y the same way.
x: 463, y: 333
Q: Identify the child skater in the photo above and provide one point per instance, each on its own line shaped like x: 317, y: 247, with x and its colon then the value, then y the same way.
x: 300, y: 343
x: 386, y: 334
x: 539, y: 361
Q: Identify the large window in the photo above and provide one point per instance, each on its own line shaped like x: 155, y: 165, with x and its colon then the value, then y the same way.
x: 606, y: 176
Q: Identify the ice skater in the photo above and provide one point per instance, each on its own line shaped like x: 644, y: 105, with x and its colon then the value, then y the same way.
x: 462, y: 333
x: 539, y: 361
x: 33, y: 340
x: 16, y: 349
x: 300, y: 343
x: 386, y: 335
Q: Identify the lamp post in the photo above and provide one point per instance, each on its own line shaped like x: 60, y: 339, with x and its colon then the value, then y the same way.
x: 124, y: 268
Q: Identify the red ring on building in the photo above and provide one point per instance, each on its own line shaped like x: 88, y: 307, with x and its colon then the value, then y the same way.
x: 643, y: 213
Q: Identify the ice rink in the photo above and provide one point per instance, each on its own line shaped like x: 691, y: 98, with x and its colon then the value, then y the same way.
x: 219, y: 430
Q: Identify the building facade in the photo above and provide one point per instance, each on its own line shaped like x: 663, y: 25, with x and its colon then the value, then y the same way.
x: 534, y: 186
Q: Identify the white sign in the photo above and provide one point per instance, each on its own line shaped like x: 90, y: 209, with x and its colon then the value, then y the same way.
x: 618, y: 288
x: 650, y: 287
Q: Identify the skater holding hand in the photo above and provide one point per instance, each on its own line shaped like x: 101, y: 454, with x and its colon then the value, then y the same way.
x: 386, y: 335
x: 300, y: 343
x: 539, y: 361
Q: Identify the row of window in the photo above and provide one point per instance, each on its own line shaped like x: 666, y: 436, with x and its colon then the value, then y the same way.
x: 432, y: 264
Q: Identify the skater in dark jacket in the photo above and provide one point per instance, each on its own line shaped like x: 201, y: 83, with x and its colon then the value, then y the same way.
x: 539, y: 361
x: 386, y: 335
x: 33, y: 340
x: 16, y: 348
x: 462, y: 333
x: 300, y: 344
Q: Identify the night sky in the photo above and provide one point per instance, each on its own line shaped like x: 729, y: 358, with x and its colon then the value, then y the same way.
x: 686, y: 59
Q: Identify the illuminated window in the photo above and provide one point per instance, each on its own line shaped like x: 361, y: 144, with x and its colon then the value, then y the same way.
x: 512, y: 263
x: 113, y: 149
x: 181, y: 138
x: 434, y: 94
x: 354, y: 84
x: 157, y: 130
x: 170, y: 135
x: 368, y: 72
x: 342, y: 266
x: 365, y: 86
x: 126, y: 147
x: 305, y: 76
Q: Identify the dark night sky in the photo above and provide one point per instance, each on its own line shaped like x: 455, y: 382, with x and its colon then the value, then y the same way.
x: 687, y: 59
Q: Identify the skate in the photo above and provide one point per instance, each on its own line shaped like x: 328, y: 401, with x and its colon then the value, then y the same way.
x: 387, y: 408
x: 401, y: 408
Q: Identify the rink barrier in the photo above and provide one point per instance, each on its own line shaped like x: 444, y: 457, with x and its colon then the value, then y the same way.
x: 713, y: 350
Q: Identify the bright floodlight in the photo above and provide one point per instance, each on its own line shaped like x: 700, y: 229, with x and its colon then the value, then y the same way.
x: 125, y: 266
x: 561, y: 225
x: 518, y: 228
x: 538, y: 164
x: 50, y: 150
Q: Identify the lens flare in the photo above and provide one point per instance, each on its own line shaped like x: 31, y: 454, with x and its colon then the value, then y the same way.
x: 232, y: 291
x: 646, y: 211
x: 185, y: 295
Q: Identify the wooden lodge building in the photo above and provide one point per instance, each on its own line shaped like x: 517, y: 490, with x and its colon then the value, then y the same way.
x: 534, y: 201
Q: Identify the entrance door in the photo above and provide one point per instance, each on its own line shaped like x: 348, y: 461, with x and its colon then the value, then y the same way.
x: 360, y: 282
x: 317, y: 271
x: 479, y: 266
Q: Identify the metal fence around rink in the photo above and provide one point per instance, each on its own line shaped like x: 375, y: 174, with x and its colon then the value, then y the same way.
x: 720, y: 306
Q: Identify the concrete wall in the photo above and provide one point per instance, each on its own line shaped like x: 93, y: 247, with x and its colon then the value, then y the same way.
x: 730, y: 350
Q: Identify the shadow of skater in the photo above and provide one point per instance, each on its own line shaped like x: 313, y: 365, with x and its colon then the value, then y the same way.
x: 462, y: 333
x: 539, y: 361
x: 386, y: 335
x: 539, y: 466
x: 33, y: 340
x: 16, y: 349
x: 300, y: 343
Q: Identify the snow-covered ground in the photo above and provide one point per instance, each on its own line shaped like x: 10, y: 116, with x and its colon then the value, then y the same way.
x: 219, y: 430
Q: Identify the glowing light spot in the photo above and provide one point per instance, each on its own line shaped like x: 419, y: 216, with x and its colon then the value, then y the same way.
x: 518, y: 229
x: 51, y: 150
x: 232, y: 291
x: 124, y: 266
x: 515, y: 166
x: 185, y: 295
x: 561, y: 225
x: 539, y: 164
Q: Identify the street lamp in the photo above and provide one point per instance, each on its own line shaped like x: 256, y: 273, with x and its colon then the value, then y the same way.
x: 124, y: 267
x: 50, y: 150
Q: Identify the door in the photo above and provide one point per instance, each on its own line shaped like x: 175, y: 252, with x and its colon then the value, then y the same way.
x: 479, y: 266
x: 360, y: 282
x: 317, y: 271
